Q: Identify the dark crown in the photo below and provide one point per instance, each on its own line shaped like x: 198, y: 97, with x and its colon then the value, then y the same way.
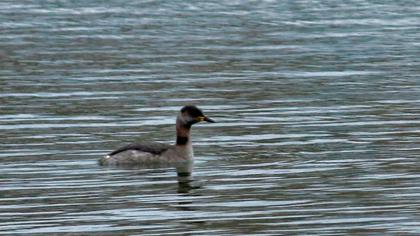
x: 193, y: 111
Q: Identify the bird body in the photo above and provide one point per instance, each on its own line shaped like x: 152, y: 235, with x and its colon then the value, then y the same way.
x: 159, y: 153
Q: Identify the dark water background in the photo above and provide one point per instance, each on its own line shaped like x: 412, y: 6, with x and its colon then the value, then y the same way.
x: 317, y: 104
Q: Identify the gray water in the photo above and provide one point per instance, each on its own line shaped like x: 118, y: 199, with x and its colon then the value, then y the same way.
x: 317, y: 104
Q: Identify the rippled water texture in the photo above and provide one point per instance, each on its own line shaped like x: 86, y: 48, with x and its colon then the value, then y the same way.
x: 317, y: 104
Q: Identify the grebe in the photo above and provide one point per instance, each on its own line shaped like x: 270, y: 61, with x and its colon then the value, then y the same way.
x: 160, y: 153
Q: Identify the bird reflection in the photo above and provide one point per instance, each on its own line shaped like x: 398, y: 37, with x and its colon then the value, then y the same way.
x: 185, y: 179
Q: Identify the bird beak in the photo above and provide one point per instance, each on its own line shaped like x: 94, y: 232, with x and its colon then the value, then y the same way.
x: 208, y: 120
x: 205, y: 118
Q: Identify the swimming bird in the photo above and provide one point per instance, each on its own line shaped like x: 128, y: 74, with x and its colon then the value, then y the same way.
x: 159, y: 153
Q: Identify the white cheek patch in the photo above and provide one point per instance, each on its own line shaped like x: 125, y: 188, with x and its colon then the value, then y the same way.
x: 185, y: 118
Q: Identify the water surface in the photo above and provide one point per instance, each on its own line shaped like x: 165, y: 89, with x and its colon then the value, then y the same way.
x: 317, y: 104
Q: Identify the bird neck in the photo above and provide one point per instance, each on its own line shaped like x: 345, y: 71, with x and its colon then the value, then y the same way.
x: 182, y: 133
x: 183, y: 145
